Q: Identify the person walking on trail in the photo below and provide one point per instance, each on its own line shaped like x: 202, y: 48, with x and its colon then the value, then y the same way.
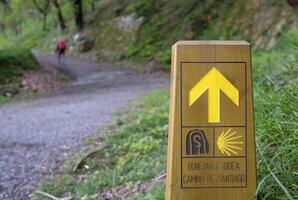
x: 60, y: 50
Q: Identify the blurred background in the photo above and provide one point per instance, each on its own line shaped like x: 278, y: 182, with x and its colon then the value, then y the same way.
x: 143, y: 30
x: 138, y: 35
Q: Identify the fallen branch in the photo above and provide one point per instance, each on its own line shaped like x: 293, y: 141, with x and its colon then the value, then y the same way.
x: 161, y: 177
x: 51, y: 196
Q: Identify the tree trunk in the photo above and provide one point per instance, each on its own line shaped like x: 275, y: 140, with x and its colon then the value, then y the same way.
x: 293, y: 3
x: 93, y: 5
x: 6, y: 11
x: 44, y: 10
x: 59, y: 15
x: 6, y: 5
x: 78, y: 11
x: 2, y: 26
x: 44, y: 24
x: 15, y: 27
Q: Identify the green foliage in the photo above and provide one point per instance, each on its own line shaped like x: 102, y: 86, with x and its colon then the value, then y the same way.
x: 156, y: 193
x: 14, y: 61
x: 135, y: 151
x: 276, y: 100
x: 61, y: 185
x: 275, y: 2
x: 164, y: 23
x: 276, y: 113
x: 142, y: 8
x: 4, y: 100
x: 136, y: 143
x: 22, y: 24
x: 289, y: 40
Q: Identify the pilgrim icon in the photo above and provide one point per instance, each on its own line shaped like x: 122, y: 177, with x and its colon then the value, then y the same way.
x: 196, y: 143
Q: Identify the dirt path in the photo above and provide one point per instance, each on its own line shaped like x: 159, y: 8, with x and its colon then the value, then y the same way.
x: 35, y: 135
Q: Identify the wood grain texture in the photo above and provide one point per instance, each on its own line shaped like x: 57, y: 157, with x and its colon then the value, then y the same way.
x: 223, y: 165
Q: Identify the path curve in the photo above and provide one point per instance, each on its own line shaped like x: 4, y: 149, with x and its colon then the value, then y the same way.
x: 34, y: 134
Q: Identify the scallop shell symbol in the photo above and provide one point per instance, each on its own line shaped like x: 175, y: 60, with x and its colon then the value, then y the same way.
x: 229, y: 143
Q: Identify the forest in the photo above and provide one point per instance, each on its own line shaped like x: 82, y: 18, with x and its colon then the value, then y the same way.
x: 72, y: 132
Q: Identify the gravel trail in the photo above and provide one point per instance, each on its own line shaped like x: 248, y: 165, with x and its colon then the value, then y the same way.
x: 34, y: 134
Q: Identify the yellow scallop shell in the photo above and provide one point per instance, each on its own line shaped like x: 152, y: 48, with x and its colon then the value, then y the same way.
x: 229, y: 143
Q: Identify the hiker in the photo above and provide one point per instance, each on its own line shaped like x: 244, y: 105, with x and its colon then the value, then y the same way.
x: 60, y: 50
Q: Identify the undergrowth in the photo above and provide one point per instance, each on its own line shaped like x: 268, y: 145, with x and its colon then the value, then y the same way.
x: 276, y: 113
x: 13, y: 61
x: 156, y: 193
x: 276, y: 116
x: 136, y: 142
x: 163, y: 25
x: 135, y: 149
x: 4, y: 100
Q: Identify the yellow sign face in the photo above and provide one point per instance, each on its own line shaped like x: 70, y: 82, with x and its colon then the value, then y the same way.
x: 214, y: 88
x: 214, y: 92
x: 211, y: 152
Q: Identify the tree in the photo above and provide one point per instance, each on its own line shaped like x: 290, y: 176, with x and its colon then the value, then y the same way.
x: 78, y: 11
x: 59, y: 14
x: 293, y: 3
x: 43, y: 7
x: 15, y: 17
x: 6, y: 5
x: 6, y: 11
x: 92, y: 2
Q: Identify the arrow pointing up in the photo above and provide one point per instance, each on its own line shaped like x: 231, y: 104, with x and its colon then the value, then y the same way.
x: 214, y: 81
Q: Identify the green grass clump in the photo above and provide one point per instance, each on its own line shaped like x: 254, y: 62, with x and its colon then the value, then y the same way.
x: 136, y: 143
x: 4, y: 100
x: 135, y: 149
x: 156, y: 193
x: 13, y: 61
x: 276, y: 112
x: 276, y: 116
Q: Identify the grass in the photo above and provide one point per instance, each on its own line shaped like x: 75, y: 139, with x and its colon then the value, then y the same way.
x: 276, y: 112
x: 135, y: 149
x: 4, y: 100
x: 156, y: 193
x: 165, y: 22
x: 136, y: 142
x: 276, y: 116
x: 13, y: 61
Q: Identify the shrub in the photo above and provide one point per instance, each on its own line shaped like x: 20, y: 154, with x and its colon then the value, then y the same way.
x: 14, y: 61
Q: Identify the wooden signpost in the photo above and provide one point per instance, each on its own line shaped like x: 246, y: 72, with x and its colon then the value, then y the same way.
x: 211, y: 148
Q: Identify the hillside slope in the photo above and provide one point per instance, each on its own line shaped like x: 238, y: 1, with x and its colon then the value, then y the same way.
x: 146, y: 29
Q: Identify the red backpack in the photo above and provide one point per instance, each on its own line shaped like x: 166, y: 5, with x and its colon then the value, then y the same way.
x: 61, y: 44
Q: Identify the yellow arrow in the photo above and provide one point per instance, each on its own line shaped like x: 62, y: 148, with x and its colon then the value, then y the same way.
x: 214, y: 81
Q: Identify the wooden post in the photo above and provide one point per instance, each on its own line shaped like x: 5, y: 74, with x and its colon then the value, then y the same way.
x: 211, y: 145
